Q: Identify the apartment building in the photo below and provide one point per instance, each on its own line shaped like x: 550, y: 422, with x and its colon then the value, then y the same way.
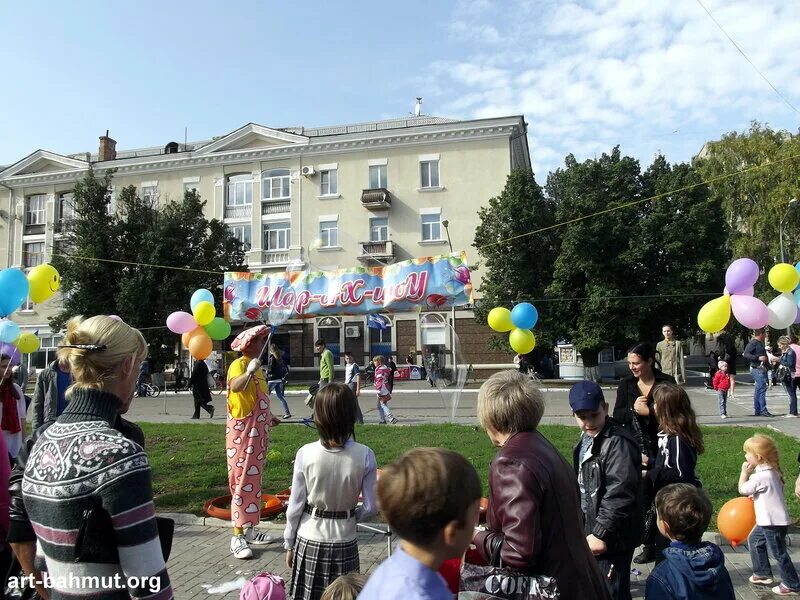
x: 368, y: 193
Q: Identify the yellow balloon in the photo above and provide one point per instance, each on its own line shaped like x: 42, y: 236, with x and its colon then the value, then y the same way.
x: 204, y: 312
x: 715, y: 314
x: 784, y: 277
x: 499, y: 319
x: 522, y: 340
x: 27, y: 343
x: 44, y: 281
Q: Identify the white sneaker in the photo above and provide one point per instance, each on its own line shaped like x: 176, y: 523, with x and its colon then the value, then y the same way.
x: 257, y: 538
x: 239, y: 547
x: 790, y: 416
x: 723, y: 416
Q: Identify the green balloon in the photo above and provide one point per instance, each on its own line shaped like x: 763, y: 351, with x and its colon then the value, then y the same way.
x: 218, y: 329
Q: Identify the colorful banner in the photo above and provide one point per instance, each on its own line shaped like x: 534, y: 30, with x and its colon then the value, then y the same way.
x: 433, y: 282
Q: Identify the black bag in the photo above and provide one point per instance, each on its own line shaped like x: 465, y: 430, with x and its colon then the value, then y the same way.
x: 502, y: 583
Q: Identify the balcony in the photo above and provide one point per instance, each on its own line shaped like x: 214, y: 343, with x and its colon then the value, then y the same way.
x: 376, y: 252
x: 276, y: 207
x: 275, y: 257
x: 376, y: 198
x: 242, y: 211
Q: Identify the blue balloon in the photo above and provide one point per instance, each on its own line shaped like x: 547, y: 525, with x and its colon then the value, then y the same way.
x: 797, y: 297
x: 199, y: 296
x: 524, y: 315
x: 14, y: 288
x: 9, y: 331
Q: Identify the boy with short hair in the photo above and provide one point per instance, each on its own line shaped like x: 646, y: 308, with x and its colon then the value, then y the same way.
x: 352, y: 378
x: 430, y: 497
x: 608, y: 464
x: 692, y: 568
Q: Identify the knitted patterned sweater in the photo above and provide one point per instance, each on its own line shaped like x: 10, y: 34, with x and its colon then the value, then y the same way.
x: 81, y: 464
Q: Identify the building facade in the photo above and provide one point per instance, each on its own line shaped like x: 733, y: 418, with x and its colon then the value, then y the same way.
x: 368, y: 193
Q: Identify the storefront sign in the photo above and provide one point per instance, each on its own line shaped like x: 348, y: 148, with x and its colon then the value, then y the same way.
x: 434, y: 282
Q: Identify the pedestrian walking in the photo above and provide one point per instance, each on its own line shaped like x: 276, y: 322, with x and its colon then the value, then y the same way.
x: 201, y: 393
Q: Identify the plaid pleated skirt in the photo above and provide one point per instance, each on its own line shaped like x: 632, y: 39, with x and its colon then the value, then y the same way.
x: 317, y: 564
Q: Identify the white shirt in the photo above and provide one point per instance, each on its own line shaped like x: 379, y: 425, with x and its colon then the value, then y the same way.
x: 766, y: 489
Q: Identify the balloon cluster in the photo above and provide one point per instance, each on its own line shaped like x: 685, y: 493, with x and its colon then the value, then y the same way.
x: 751, y: 312
x: 519, y: 321
x: 39, y: 284
x: 199, y: 328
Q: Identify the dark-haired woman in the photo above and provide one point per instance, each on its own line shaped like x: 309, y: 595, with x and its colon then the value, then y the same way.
x: 634, y: 410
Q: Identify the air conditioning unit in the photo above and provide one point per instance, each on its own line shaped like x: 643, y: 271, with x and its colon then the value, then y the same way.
x: 352, y: 331
x: 307, y: 171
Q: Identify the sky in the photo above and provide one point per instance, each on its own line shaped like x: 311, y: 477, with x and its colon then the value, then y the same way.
x: 653, y: 77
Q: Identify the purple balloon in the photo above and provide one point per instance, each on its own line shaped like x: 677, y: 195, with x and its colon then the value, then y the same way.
x: 749, y: 311
x: 748, y: 292
x: 12, y: 351
x: 741, y: 275
x: 181, y: 322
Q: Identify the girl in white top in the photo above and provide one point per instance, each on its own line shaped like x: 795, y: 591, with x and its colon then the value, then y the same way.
x: 329, y: 475
x: 762, y: 479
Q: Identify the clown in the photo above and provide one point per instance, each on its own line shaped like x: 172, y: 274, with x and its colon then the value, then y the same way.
x: 247, y: 439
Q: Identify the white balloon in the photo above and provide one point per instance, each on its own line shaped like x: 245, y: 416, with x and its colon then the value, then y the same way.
x: 782, y: 311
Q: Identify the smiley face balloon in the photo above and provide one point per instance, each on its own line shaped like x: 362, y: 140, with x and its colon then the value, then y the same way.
x: 44, y: 281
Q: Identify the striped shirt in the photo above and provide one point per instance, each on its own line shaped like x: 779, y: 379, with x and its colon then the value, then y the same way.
x: 82, y: 466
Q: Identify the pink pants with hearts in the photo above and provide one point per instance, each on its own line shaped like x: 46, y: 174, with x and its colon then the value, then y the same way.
x: 246, y: 442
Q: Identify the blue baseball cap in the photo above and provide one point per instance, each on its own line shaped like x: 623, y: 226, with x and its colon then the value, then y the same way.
x: 585, y: 395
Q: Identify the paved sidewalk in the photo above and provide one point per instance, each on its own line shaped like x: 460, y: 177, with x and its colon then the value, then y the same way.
x: 200, y: 562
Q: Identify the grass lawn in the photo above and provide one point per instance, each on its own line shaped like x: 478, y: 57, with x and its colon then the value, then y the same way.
x: 189, y: 467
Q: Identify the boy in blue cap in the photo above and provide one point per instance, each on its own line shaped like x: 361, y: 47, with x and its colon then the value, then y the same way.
x: 608, y: 465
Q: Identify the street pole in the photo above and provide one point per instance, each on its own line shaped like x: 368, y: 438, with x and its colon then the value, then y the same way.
x: 446, y: 224
x: 792, y: 203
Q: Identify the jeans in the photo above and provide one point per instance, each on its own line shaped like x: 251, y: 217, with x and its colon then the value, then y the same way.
x: 790, y: 385
x: 760, y: 393
x: 277, y: 387
x: 722, y: 396
x: 772, y: 538
x: 359, y: 415
x: 384, y: 413
x: 619, y: 584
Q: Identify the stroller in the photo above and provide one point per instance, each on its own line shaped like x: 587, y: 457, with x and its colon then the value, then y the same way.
x: 312, y: 393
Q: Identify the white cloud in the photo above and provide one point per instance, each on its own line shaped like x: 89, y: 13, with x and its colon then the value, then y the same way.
x: 589, y: 74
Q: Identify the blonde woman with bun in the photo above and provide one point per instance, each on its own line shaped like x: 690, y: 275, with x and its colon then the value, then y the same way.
x: 87, y: 488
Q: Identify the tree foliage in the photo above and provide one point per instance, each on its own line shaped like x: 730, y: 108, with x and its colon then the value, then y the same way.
x: 136, y: 237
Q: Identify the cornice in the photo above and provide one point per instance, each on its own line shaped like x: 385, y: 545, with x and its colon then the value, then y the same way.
x: 389, y: 138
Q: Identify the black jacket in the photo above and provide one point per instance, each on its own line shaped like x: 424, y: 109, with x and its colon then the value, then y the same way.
x: 611, y: 479
x: 19, y: 527
x: 752, y: 351
x: 675, y: 463
x: 199, y: 378
x: 627, y: 392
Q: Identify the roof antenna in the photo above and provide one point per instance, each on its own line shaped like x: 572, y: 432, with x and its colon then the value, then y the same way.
x: 418, y: 107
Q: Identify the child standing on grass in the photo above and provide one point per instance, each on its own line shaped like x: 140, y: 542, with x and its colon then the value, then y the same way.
x: 762, y: 479
x: 722, y: 383
x: 329, y: 475
x: 382, y: 377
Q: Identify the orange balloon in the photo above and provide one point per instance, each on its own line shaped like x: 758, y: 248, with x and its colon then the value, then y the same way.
x: 736, y: 520
x: 200, y: 346
x: 187, y: 337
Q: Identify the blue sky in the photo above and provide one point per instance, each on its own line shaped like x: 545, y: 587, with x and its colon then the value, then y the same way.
x: 650, y: 76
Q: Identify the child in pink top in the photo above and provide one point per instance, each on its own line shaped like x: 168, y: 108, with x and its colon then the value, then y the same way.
x: 761, y: 478
x: 382, y: 377
x: 722, y: 383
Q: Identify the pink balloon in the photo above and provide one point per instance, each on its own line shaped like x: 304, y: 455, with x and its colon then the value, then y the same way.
x: 749, y: 311
x: 181, y: 322
x: 741, y: 275
x: 12, y: 351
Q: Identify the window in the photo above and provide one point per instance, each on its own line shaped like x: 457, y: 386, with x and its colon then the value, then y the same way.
x: 33, y: 254
x: 379, y: 229
x: 329, y: 232
x: 45, y: 354
x: 191, y: 185
x: 27, y: 306
x: 112, y: 200
x: 35, y: 214
x: 433, y: 330
x: 329, y: 329
x: 275, y: 184
x: 431, y: 227
x: 242, y: 233
x: 429, y: 172
x: 66, y: 206
x: 377, y: 177
x: 150, y: 194
x: 329, y: 182
x: 277, y: 236
x: 240, y: 190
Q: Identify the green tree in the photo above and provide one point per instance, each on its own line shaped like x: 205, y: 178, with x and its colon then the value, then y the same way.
x: 138, y: 235
x: 518, y: 269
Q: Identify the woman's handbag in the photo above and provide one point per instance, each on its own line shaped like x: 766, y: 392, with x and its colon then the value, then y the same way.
x: 502, y: 583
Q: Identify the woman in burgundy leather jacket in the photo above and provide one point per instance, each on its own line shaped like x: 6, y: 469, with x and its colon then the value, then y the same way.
x: 534, y: 509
